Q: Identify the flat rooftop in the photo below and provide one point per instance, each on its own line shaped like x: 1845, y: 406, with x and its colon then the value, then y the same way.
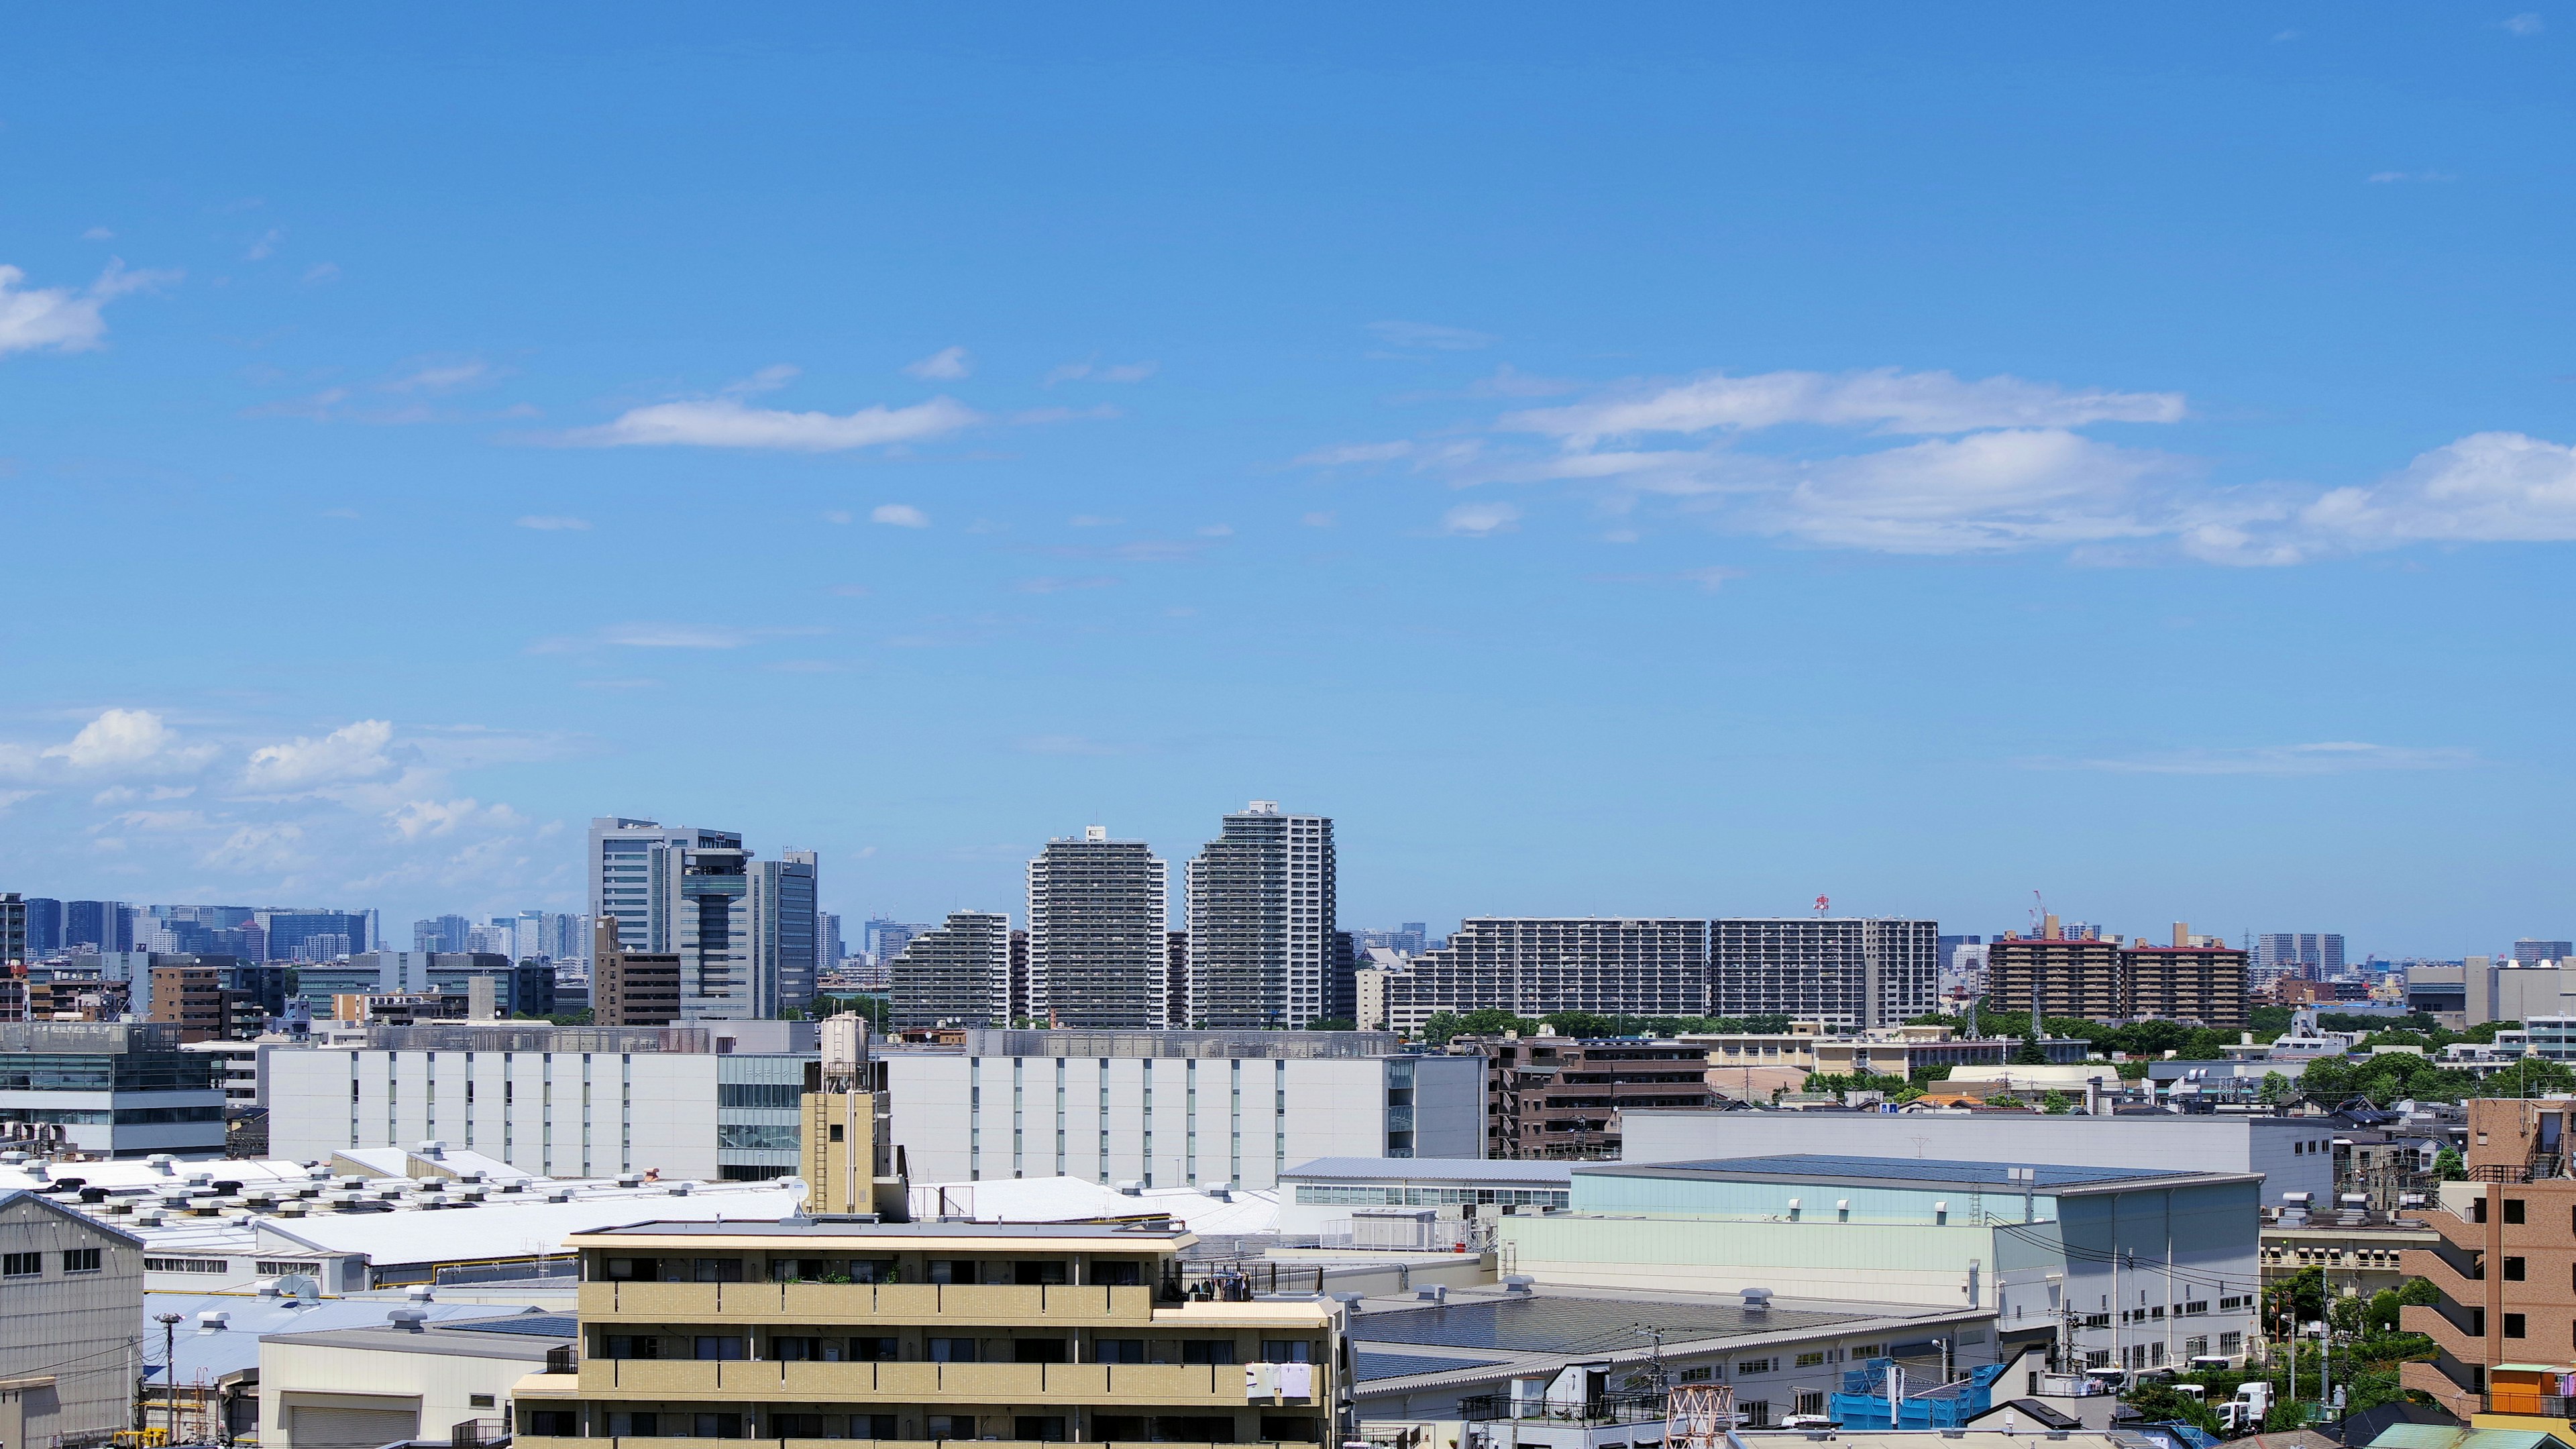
x: 1433, y: 1169
x: 1905, y: 1172
x: 794, y: 1229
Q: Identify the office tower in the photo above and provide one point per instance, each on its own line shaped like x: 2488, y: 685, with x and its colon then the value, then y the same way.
x: 1412, y: 938
x: 957, y: 973
x: 883, y: 939
x: 496, y: 938
x: 1531, y: 966
x: 623, y: 878
x: 1261, y: 922
x: 2307, y: 955
x: 44, y: 927
x: 13, y: 927
x: 444, y: 934
x: 1856, y: 972
x: 1098, y: 912
x: 828, y: 949
x: 2525, y: 952
x: 314, y: 935
x: 98, y: 925
x: 701, y: 904
x: 553, y: 935
x: 785, y: 928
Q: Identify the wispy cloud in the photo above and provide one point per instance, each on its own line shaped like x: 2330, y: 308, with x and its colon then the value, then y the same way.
x: 1091, y: 369
x: 2390, y: 178
x: 946, y: 365
x: 2333, y: 757
x: 1064, y: 745
x: 1347, y: 454
x: 1054, y: 585
x: 1882, y: 400
x: 2526, y: 23
x: 726, y: 422
x: 899, y: 515
x: 64, y: 319
x: 351, y: 752
x: 1431, y: 336
x: 1708, y: 580
x: 550, y: 523
x: 1480, y: 520
x: 439, y: 377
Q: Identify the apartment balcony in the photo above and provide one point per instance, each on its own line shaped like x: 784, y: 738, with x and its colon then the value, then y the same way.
x: 1172, y: 1386
x: 2459, y: 1232
x: 1001, y: 1305
x: 2459, y: 1275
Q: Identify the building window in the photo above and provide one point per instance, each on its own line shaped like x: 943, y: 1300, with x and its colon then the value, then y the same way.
x: 2513, y: 1270
x: 180, y: 1265
x: 1754, y: 1413
x: 952, y: 1350
x: 21, y: 1265
x: 2513, y: 1325
x: 2513, y: 1210
x: 2231, y: 1343
x: 80, y: 1260
x: 1811, y: 1359
x: 1756, y: 1366
x: 1810, y: 1401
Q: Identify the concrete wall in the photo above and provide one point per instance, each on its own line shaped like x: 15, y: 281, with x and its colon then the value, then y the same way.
x: 436, y: 1388
x: 568, y: 1114
x: 69, y: 1336
x: 2293, y: 1154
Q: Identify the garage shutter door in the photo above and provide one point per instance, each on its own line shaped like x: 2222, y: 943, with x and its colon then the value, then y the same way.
x: 351, y: 1428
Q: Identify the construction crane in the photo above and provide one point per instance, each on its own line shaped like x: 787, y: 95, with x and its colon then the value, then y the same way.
x: 2038, y: 912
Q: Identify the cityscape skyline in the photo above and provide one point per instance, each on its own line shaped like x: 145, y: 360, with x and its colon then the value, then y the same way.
x: 1644, y: 463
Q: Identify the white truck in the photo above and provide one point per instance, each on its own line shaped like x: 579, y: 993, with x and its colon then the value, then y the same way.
x: 2245, y: 1413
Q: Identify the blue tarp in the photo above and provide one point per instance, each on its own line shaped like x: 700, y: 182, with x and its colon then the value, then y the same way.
x: 1863, y: 1402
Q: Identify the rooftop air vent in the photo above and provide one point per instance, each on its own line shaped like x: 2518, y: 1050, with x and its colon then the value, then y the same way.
x: 407, y: 1320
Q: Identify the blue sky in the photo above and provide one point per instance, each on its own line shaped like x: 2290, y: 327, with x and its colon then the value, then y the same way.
x: 1677, y: 460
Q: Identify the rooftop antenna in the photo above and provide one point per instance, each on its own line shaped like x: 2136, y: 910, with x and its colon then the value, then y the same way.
x: 1822, y: 902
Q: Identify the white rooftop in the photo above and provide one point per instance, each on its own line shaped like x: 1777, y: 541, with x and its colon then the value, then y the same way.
x: 1075, y: 1199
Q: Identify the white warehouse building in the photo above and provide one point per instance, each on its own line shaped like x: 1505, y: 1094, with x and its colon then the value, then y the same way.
x: 1176, y: 1108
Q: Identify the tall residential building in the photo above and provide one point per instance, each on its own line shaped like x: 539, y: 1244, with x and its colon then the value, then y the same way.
x: 1097, y: 933
x: 2500, y: 1328
x: 1857, y: 972
x: 2309, y: 955
x: 2205, y: 984
x: 786, y: 927
x: 828, y: 947
x: 13, y: 927
x: 1261, y: 923
x: 99, y: 925
x: 622, y: 877
x: 2526, y: 952
x: 631, y: 988
x: 554, y: 935
x: 1535, y: 965
x: 2056, y: 976
x: 957, y: 973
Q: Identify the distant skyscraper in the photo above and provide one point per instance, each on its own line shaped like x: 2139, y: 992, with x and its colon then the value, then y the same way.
x: 44, y: 927
x: 957, y: 973
x: 443, y: 934
x: 1098, y: 913
x: 13, y: 927
x: 1846, y: 971
x: 883, y: 939
x: 2525, y: 952
x: 828, y: 949
x: 99, y: 925
x: 1535, y: 965
x: 1412, y: 938
x: 624, y: 878
x: 315, y: 935
x: 1261, y: 923
x: 2308, y: 955
x: 786, y: 927
x: 554, y: 935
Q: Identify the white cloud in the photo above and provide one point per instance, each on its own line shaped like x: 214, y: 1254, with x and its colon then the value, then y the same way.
x: 2526, y: 23
x: 1064, y: 745
x: 129, y: 741
x: 2485, y: 488
x: 1319, y: 519
x: 258, y: 848
x: 548, y: 523
x: 12, y: 797
x: 1060, y: 585
x: 2384, y: 178
x: 1882, y: 400
x: 945, y: 365
x: 729, y: 423
x: 351, y: 752
x: 837, y: 515
x: 98, y: 233
x: 1216, y: 530
x: 440, y: 377
x: 674, y: 636
x: 266, y: 247
x: 900, y: 515
x: 419, y: 819
x: 1431, y: 335
x: 2332, y: 757
x: 1480, y: 520
x: 60, y: 318
x: 1129, y: 371
x: 1349, y: 453
x: 321, y: 273
x: 1986, y: 491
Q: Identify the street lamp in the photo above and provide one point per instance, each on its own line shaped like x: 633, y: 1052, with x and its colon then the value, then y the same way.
x: 170, y: 1367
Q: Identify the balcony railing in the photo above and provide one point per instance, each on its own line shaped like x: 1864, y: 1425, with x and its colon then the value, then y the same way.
x: 478, y: 1433
x: 1607, y: 1409
x: 2544, y: 1406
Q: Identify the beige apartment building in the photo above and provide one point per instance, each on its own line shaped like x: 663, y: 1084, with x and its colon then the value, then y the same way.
x: 828, y: 1328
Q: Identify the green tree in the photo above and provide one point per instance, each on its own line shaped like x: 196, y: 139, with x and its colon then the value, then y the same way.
x: 2276, y: 1089
x: 2448, y: 1167
x: 2030, y: 1053
x: 2058, y: 1104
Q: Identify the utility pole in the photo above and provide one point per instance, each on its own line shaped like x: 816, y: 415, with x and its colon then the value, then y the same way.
x: 170, y: 1367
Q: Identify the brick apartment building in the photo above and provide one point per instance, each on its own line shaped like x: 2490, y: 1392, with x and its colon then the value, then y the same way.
x: 2109, y: 981
x: 2505, y: 1264
x: 1550, y: 1096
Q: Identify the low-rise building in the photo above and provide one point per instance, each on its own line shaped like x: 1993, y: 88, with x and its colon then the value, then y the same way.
x: 1175, y: 1108
x: 2126, y: 1268
x: 1322, y: 1197
x: 1556, y: 1096
x: 832, y: 1328
x: 111, y: 1089
x: 2360, y: 1253
x: 71, y: 1294
x: 716, y: 1100
x: 405, y: 1377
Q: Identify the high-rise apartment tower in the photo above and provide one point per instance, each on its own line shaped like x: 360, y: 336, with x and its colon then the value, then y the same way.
x: 1098, y: 949
x: 1261, y: 924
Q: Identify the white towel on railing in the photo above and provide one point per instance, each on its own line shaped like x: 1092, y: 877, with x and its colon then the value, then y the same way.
x: 1296, y: 1381
x: 1261, y: 1381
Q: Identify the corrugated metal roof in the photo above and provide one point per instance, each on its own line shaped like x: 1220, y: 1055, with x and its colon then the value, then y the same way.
x: 1403, y: 1365
x: 1433, y: 1169
x: 217, y: 1352
x: 1574, y: 1325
